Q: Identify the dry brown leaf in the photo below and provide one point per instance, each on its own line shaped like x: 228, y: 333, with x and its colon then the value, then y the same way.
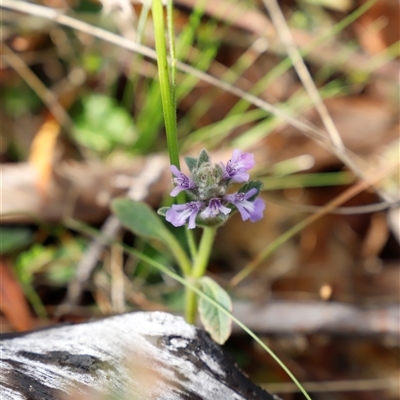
x: 42, y: 152
x: 12, y: 300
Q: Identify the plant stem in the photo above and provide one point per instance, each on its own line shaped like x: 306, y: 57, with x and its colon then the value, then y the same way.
x: 203, y: 254
x: 35, y: 301
x: 198, y: 270
x: 167, y: 88
x: 192, y: 244
x: 171, y: 41
x: 167, y: 97
x: 190, y: 304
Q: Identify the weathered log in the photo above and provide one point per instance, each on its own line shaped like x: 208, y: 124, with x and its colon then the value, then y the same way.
x: 131, y: 356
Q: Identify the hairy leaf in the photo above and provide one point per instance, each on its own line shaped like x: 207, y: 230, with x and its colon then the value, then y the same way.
x: 251, y: 185
x: 143, y: 221
x: 163, y: 211
x: 191, y: 162
x: 216, y: 323
x: 140, y: 218
x: 203, y: 158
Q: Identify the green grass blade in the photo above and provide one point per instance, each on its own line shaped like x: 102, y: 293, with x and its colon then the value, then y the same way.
x: 167, y: 98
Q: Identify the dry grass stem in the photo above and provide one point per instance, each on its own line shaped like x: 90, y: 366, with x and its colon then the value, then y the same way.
x: 46, y: 95
x: 305, y: 126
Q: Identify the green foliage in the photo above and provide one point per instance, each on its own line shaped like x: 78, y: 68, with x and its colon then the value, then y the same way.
x: 32, y: 260
x: 150, y: 118
x: 167, y: 88
x: 203, y: 158
x: 216, y: 323
x: 88, y: 6
x: 251, y: 185
x: 92, y: 62
x: 19, y: 99
x: 143, y: 221
x: 308, y: 180
x: 57, y: 262
x: 103, y: 124
x: 191, y: 163
x: 142, y: 272
x: 163, y: 211
x: 14, y: 238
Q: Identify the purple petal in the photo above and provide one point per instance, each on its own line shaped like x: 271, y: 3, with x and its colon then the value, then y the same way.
x: 252, y: 210
x: 174, y: 169
x: 214, y: 208
x: 240, y: 177
x: 178, y: 214
x: 258, y: 209
x: 237, y: 167
x: 176, y: 190
x: 182, y: 181
x: 242, y: 160
x: 250, y: 193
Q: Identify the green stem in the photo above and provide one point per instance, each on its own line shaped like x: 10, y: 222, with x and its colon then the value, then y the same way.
x: 35, y: 301
x: 191, y: 243
x: 180, y: 256
x: 190, y: 304
x: 167, y: 97
x: 198, y: 270
x: 203, y: 254
x: 171, y: 41
x: 167, y: 89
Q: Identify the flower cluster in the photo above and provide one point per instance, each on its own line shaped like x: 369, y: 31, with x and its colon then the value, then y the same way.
x: 207, y: 189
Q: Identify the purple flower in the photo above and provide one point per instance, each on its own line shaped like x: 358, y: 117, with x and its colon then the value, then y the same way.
x: 179, y: 213
x: 252, y: 210
x: 214, y: 208
x: 182, y: 181
x: 237, y: 167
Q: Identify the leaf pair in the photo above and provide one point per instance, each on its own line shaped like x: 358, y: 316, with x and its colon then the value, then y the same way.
x: 195, y: 163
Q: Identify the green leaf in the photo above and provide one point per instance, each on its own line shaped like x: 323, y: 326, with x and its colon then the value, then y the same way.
x: 216, y: 221
x: 215, y: 322
x: 143, y: 221
x: 191, y: 162
x: 203, y: 158
x: 163, y: 211
x: 14, y: 238
x: 33, y: 260
x: 103, y: 124
x: 251, y: 185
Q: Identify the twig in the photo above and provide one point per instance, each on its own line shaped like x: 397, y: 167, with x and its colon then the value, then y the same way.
x: 309, y: 85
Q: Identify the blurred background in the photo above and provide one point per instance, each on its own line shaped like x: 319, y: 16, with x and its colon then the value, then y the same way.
x: 81, y: 123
